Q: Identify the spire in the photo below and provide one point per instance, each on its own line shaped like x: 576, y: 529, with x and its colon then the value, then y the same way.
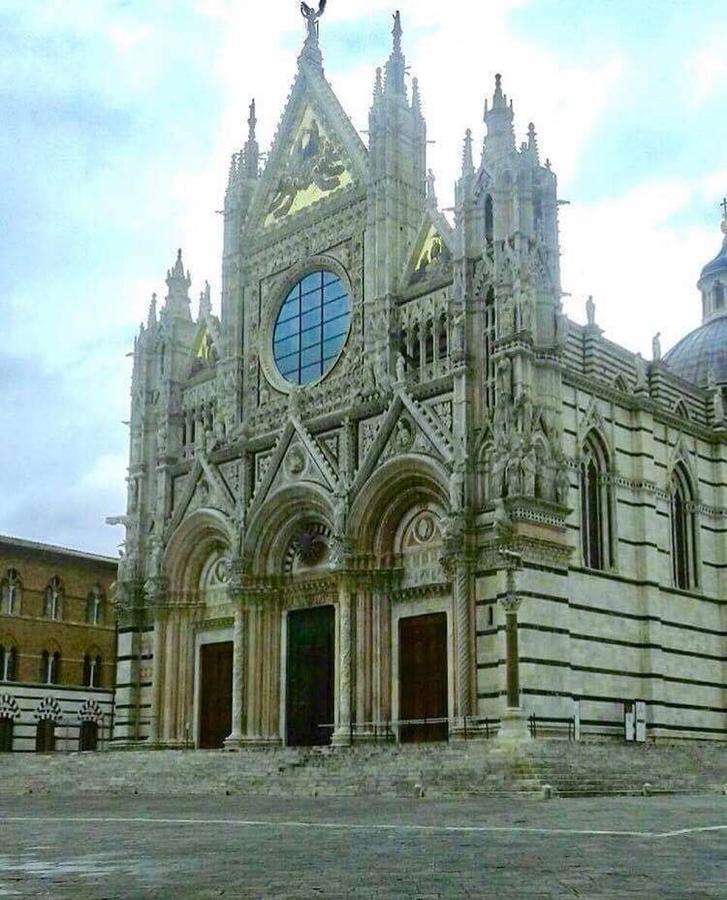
x: 416, y: 99
x: 251, y: 151
x: 396, y: 66
x: 205, y: 303
x: 151, y: 319
x: 177, y: 300
x: 498, y: 118
x: 533, y: 142
x: 468, y: 164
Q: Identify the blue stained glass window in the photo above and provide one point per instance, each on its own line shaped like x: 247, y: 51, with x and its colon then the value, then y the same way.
x: 311, y: 328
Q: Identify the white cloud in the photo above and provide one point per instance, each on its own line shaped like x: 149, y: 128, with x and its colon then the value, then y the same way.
x: 707, y: 68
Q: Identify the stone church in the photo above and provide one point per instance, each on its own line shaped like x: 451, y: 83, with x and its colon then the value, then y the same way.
x: 392, y: 492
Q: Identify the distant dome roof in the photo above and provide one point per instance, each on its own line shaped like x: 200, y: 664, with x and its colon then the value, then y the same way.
x: 703, y: 350
x: 719, y: 263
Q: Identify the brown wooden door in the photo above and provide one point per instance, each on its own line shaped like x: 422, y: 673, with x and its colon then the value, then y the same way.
x: 423, y: 677
x: 88, y: 736
x: 215, y: 700
x: 45, y: 736
x: 309, y: 677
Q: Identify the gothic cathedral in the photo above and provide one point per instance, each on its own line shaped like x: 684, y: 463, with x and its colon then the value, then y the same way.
x: 392, y: 492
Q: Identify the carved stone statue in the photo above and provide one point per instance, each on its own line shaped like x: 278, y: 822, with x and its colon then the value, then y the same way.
x: 456, y: 487
x: 400, y: 368
x: 590, y: 311
x: 656, y: 347
x: 562, y: 484
x: 312, y: 16
x: 642, y: 381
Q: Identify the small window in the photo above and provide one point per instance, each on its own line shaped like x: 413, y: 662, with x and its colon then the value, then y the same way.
x: 93, y: 606
x: 50, y: 667
x: 719, y: 295
x: 10, y: 599
x: 8, y: 663
x: 429, y: 343
x: 53, y: 595
x: 595, y: 505
x: 91, y: 670
x: 442, y: 340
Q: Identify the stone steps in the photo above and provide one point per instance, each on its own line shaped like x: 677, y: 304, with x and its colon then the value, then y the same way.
x: 476, y: 768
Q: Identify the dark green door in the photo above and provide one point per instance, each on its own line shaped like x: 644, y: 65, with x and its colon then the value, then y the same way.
x: 6, y: 735
x: 88, y: 736
x: 45, y: 736
x: 310, y: 674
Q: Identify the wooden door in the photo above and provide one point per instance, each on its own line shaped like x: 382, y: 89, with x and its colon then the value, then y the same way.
x: 309, y: 677
x: 215, y: 699
x: 88, y: 736
x: 423, y: 677
x: 6, y: 735
x: 45, y: 736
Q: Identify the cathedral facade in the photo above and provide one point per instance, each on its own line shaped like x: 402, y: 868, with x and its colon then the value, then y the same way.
x: 392, y: 492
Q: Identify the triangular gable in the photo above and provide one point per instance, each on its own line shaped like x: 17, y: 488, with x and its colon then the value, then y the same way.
x: 221, y: 494
x: 316, y: 153
x: 294, y: 434
x: 431, y: 253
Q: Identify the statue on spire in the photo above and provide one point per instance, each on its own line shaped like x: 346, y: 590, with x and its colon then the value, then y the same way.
x: 312, y: 16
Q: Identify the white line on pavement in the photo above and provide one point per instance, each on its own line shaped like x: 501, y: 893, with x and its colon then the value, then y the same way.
x: 352, y: 826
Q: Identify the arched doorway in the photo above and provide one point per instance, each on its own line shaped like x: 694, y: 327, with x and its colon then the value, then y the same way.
x: 88, y: 736
x: 45, y: 736
x: 6, y: 735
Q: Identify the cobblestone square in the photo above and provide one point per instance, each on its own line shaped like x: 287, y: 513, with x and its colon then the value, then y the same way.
x: 254, y: 847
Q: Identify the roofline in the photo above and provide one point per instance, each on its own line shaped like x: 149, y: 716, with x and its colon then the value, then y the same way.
x: 53, y: 548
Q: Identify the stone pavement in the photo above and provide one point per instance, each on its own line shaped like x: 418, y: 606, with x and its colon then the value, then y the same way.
x: 261, y: 847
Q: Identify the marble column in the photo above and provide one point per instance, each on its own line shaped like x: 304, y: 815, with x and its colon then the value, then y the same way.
x: 171, y: 672
x: 342, y: 734
x: 513, y: 726
x: 253, y: 686
x: 238, y: 661
x: 155, y: 731
x: 463, y: 642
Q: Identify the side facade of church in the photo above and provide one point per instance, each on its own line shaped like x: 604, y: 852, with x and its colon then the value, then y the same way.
x: 392, y: 491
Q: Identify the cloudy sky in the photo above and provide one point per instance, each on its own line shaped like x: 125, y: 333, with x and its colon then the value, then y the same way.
x: 119, y: 117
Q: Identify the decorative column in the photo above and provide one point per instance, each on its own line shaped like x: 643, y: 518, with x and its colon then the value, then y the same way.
x: 342, y: 734
x: 456, y: 565
x: 156, y: 682
x: 513, y: 726
x: 234, y: 741
x: 171, y: 673
x: 234, y: 593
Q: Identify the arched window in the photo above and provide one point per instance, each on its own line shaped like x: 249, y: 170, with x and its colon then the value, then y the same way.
x: 93, y: 606
x: 11, y: 593
x: 490, y: 336
x: 53, y: 596
x: 683, y: 542
x: 429, y: 343
x: 8, y: 663
x: 719, y: 295
x: 50, y: 667
x: 443, y: 348
x: 416, y: 349
x: 92, y: 670
x: 489, y: 219
x: 595, y: 505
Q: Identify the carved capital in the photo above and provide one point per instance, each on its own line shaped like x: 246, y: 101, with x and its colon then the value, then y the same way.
x: 156, y: 591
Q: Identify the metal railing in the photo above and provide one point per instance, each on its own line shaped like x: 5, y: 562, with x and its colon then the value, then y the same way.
x: 389, y: 730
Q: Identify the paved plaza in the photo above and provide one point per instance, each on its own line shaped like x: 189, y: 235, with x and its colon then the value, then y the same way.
x: 254, y: 847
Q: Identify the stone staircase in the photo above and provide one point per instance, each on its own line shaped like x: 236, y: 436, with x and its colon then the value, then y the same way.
x: 476, y: 768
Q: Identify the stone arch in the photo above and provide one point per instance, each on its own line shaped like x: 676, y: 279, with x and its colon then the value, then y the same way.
x: 192, y: 544
x: 395, y: 489
x: 275, y: 525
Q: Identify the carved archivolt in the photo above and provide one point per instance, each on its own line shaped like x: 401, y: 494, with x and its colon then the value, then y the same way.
x: 49, y: 709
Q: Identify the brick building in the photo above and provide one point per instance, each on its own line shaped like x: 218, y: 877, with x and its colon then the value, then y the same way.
x: 57, y: 647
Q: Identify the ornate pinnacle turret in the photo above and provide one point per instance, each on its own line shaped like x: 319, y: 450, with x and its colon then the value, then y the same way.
x: 178, y: 282
x: 533, y: 142
x: 396, y: 66
x: 251, y: 151
x: 498, y: 118
x: 416, y: 99
x: 205, y: 302
x: 151, y: 319
x: 468, y: 164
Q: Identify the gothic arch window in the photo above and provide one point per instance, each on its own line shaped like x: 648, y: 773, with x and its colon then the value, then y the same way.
x: 53, y: 599
x: 443, y: 348
x: 10, y: 594
x: 489, y: 219
x: 719, y: 295
x: 92, y: 669
x: 8, y: 662
x: 683, y: 530
x: 595, y: 504
x: 94, y: 603
x: 489, y: 347
x: 403, y: 344
x: 50, y: 667
x: 416, y: 351
x: 429, y: 343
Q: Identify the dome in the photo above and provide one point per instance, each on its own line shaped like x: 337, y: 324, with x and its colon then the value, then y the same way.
x: 701, y: 351
x: 718, y: 266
